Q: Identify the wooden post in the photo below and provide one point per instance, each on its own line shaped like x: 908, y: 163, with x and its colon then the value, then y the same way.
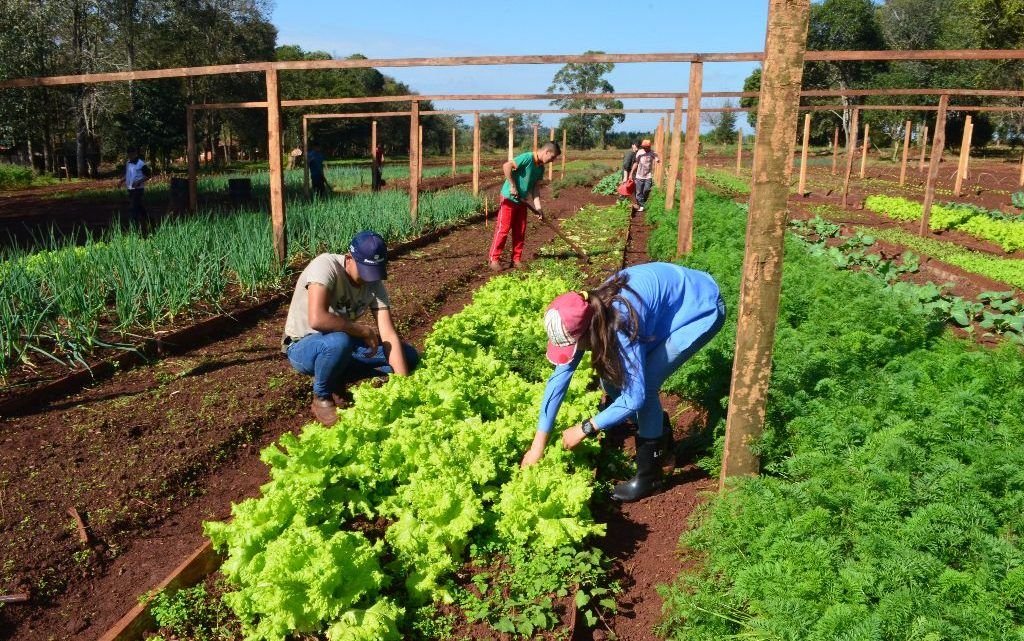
x: 802, y: 189
x: 924, y: 148
x: 419, y: 147
x: 476, y: 154
x: 414, y: 160
x: 1022, y: 171
x: 777, y: 115
x: 453, y: 152
x: 305, y: 157
x: 906, y: 152
x: 835, y: 152
x: 565, y: 151
x: 551, y: 165
x: 938, y: 145
x: 864, y: 150
x: 684, y: 238
x: 965, y: 150
x: 851, y: 149
x: 535, y: 138
x: 277, y: 213
x: 673, y: 170
x: 373, y: 148
x: 193, y: 161
x: 511, y: 138
x: 739, y: 151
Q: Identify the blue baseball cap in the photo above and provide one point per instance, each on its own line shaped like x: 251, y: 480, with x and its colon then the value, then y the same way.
x: 371, y: 255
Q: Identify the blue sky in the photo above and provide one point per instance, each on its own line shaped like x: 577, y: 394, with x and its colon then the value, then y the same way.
x: 385, y: 29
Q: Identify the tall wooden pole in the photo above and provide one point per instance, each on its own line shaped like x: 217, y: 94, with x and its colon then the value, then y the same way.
x: 305, y: 158
x: 511, y: 138
x: 535, y: 139
x: 777, y: 115
x: 1022, y: 171
x: 851, y: 149
x: 565, y: 152
x: 419, y: 147
x: 673, y: 169
x: 476, y: 154
x: 684, y: 238
x: 924, y: 149
x: 938, y: 146
x: 373, y: 149
x: 663, y: 165
x: 656, y: 146
x: 414, y: 160
x: 906, y: 151
x: 193, y: 161
x: 864, y: 150
x: 453, y: 152
x: 965, y: 150
x: 802, y: 189
x: 739, y: 151
x: 835, y: 152
x: 277, y: 213
x: 551, y: 165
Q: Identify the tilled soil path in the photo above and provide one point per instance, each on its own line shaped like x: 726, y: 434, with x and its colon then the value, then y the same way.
x: 148, y: 455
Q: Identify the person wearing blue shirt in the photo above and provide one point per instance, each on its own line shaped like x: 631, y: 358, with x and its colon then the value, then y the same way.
x: 640, y: 326
x: 315, y: 162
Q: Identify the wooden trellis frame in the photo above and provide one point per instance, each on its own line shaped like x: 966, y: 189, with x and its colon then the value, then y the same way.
x: 779, y: 102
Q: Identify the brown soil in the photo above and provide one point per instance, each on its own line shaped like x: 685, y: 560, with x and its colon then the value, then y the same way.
x: 148, y: 455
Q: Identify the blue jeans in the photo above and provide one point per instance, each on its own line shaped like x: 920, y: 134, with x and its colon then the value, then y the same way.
x: 330, y: 358
x: 643, y: 190
x: 662, y: 361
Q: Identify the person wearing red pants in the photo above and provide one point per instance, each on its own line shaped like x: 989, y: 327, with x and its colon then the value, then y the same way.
x: 522, y: 174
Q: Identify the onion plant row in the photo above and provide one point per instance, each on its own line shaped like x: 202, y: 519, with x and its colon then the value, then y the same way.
x: 66, y: 300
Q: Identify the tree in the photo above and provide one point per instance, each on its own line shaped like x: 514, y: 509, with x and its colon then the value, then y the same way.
x: 723, y: 125
x: 584, y: 130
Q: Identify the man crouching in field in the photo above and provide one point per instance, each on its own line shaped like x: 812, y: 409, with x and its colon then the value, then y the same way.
x: 321, y: 337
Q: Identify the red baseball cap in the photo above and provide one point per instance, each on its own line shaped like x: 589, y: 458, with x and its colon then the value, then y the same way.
x: 566, y: 319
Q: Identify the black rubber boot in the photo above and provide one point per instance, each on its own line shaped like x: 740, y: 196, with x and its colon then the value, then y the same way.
x: 648, y: 453
x: 667, y: 455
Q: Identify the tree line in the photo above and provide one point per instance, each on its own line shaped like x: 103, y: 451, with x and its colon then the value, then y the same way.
x: 912, y: 25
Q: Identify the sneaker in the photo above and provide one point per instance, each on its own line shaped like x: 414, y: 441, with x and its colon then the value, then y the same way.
x: 325, y: 411
x: 495, y: 266
x: 641, y: 208
x: 517, y: 265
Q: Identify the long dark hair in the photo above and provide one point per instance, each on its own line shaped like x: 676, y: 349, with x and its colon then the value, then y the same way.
x: 607, y: 322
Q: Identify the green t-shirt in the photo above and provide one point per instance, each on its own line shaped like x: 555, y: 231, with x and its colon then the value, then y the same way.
x: 526, y: 174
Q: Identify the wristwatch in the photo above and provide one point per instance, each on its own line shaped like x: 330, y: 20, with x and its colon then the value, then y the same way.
x: 588, y: 427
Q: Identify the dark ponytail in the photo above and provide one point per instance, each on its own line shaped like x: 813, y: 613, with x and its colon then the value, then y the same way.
x: 607, y: 322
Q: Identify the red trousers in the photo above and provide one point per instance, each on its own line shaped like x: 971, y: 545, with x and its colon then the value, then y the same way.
x: 511, y: 217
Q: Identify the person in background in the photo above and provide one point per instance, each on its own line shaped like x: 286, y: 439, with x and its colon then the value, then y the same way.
x: 376, y: 169
x: 293, y: 158
x: 315, y: 159
x: 642, y: 172
x: 522, y: 174
x: 640, y: 326
x: 627, y: 161
x: 321, y: 336
x: 136, y: 175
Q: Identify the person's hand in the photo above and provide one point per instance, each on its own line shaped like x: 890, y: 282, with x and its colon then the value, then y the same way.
x: 532, y: 455
x: 572, y: 437
x: 513, y: 190
x: 371, y: 338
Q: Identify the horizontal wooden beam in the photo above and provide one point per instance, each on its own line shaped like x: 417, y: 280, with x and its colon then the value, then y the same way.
x: 832, y: 93
x: 620, y: 58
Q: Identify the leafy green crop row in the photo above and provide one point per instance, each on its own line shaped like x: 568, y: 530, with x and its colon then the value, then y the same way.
x: 1008, y: 234
x: 609, y: 185
x: 53, y: 303
x: 1007, y: 270
x: 893, y: 500
x: 434, y: 455
x: 724, y: 180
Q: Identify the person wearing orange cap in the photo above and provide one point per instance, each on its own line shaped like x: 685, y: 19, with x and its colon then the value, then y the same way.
x: 640, y: 326
x: 642, y: 172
